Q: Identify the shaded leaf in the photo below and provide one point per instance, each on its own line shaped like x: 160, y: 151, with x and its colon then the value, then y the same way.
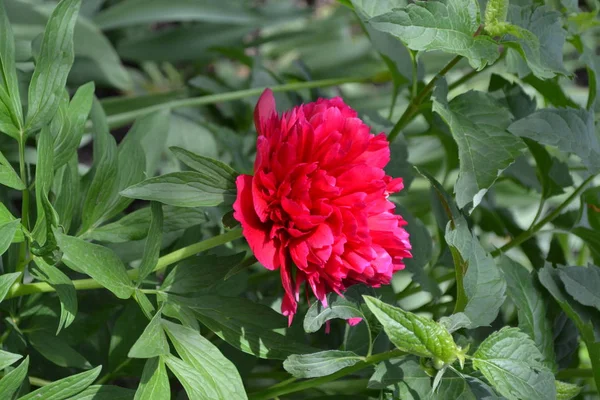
x: 318, y: 364
x: 6, y: 281
x: 153, y: 242
x: 65, y: 387
x: 11, y: 382
x: 7, y: 233
x: 154, y: 383
x: 582, y: 283
x: 57, y: 350
x: 7, y: 359
x: 8, y: 176
x: 152, y: 342
x: 104, y: 392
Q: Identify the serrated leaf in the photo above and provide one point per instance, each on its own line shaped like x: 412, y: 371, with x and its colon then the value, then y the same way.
x: 8, y: 175
x: 566, y: 391
x: 455, y: 322
x: 478, y: 124
x: 154, y: 383
x: 135, y: 226
x: 57, y: 350
x: 153, y: 242
x: 538, y: 37
x: 7, y: 233
x: 63, y: 388
x: 53, y: 65
x: 104, y: 392
x: 553, y: 174
x: 7, y: 359
x: 510, y: 361
x: 343, y: 307
x: 413, y: 333
x: 570, y: 130
x: 533, y: 318
x: 449, y: 26
x: 462, y: 387
x: 11, y: 382
x: 64, y: 288
x: 484, y: 286
x: 152, y: 342
x: 11, y: 113
x: 318, y: 364
x: 99, y: 262
x: 582, y: 283
x: 68, y: 138
x: 220, y: 375
x: 182, y: 189
x: 6, y: 281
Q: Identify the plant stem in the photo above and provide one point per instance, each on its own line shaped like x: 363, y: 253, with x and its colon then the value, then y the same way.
x: 276, y: 390
x: 413, y: 59
x: 549, y: 218
x: 118, y: 120
x: 571, y: 373
x: 413, y: 108
x: 465, y: 78
x: 24, y: 204
x: 163, y: 262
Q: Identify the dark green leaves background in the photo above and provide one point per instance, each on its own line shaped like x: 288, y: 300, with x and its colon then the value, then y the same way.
x: 124, y: 124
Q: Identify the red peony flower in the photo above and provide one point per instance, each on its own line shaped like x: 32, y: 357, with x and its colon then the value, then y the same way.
x: 317, y: 206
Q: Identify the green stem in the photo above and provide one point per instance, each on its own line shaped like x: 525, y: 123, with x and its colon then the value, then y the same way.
x: 465, y: 78
x: 413, y: 59
x: 413, y: 108
x: 111, y: 375
x: 118, y: 120
x: 571, y: 373
x: 525, y: 235
x: 24, y: 204
x: 163, y: 262
x: 276, y: 390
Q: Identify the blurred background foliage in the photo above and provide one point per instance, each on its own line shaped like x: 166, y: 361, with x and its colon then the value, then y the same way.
x: 145, y: 56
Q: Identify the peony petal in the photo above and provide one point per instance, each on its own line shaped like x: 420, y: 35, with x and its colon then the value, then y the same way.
x: 255, y: 232
x: 265, y: 109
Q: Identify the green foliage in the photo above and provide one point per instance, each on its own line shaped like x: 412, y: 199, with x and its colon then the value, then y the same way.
x: 124, y: 273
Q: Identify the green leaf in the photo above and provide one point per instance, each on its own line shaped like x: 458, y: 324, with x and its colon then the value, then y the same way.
x: 153, y: 242
x: 6, y: 216
x: 455, y: 322
x: 152, y: 342
x: 448, y: 26
x: 586, y: 318
x: 551, y: 90
x: 510, y: 361
x: 463, y: 387
x: 12, y: 381
x: 408, y: 378
x: 222, y: 174
x: 155, y: 382
x: 135, y: 226
x: 342, y: 307
x: 104, y: 392
x: 191, y: 380
x: 318, y: 364
x: 100, y: 193
x: 8, y: 176
x: 6, y: 281
x: 566, y: 391
x: 53, y: 65
x: 7, y: 359
x: 569, y: 130
x: 538, y: 37
x: 44, y: 176
x: 128, y: 327
x: 11, y: 113
x: 66, y: 188
x: 591, y: 198
x: 64, y: 288
x: 68, y: 138
x: 221, y: 378
x: 99, y: 262
x: 582, y: 283
x: 201, y: 274
x: 478, y: 124
x: 533, y: 316
x: 65, y: 387
x: 484, y: 285
x: 7, y: 234
x: 553, y: 174
x: 591, y: 238
x: 243, y: 324
x: 57, y: 350
x: 182, y: 189
x: 144, y: 302
x: 134, y: 12
x: 413, y: 333
x: 394, y: 54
